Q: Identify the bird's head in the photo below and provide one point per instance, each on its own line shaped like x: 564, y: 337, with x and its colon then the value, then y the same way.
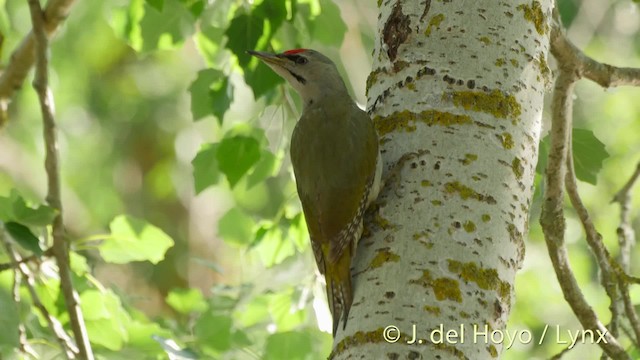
x: 313, y: 75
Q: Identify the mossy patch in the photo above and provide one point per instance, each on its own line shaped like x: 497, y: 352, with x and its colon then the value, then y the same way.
x: 486, y: 279
x: 382, y: 257
x: 496, y: 103
x: 443, y: 288
x: 533, y: 13
x: 518, y: 169
x: 466, y: 192
x: 507, y: 140
x: 406, y: 120
x: 485, y: 40
x: 434, y: 22
x: 469, y: 226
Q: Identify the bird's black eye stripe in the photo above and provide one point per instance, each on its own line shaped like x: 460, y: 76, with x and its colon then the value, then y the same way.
x: 300, y: 60
x: 300, y: 79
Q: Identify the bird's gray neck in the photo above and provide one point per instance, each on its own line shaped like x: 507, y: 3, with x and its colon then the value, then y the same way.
x: 329, y: 93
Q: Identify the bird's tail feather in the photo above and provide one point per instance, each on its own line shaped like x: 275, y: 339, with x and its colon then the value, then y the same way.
x: 340, y: 297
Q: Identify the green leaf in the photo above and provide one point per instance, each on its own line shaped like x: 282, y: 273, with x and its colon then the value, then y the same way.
x: 214, y: 331
x: 142, y: 336
x: 243, y: 34
x: 167, y: 28
x: 235, y: 227
x: 275, y: 11
x: 261, y: 79
x: 24, y: 237
x: 254, y: 312
x: 209, y: 41
x: 105, y: 318
x: 588, y: 155
x: 283, y: 309
x: 14, y: 208
x: 236, y: 155
x: 196, y: 7
x: 133, y: 239
x: 10, y: 319
x: 186, y: 301
x: 205, y: 167
x: 79, y: 264
x: 156, y: 4
x: 273, y: 248
x: 329, y: 18
x: 290, y: 345
x: 211, y: 94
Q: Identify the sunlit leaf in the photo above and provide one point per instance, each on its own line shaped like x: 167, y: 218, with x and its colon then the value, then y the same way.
x: 261, y: 79
x: 156, y: 4
x: 329, y: 18
x: 211, y: 94
x: 265, y: 168
x: 10, y: 319
x: 235, y: 227
x: 24, y: 237
x: 214, y: 331
x: 588, y: 155
x: 205, y: 167
x: 133, y: 239
x: 14, y: 208
x: 289, y: 345
x: 105, y: 318
x: 236, y: 155
x: 186, y: 301
x: 255, y: 311
x: 244, y: 32
x: 273, y: 248
x: 282, y: 307
x: 167, y: 28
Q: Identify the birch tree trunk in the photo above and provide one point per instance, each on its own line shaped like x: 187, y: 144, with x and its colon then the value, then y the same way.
x: 456, y: 93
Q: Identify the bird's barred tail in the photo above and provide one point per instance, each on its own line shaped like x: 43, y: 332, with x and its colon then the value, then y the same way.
x: 339, y: 294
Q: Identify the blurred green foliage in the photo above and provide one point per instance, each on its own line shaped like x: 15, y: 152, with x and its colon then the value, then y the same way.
x: 179, y: 203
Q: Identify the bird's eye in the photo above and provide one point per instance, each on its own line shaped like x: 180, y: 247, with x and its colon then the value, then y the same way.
x: 301, y: 60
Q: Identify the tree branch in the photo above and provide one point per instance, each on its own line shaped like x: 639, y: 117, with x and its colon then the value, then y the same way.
x: 626, y: 235
x: 552, y: 218
x: 626, y: 240
x: 7, y: 266
x: 604, y: 75
x: 594, y: 240
x: 66, y: 344
x: 60, y: 245
x: 23, y: 57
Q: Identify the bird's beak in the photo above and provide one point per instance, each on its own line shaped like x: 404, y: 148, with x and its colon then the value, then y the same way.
x: 268, y: 58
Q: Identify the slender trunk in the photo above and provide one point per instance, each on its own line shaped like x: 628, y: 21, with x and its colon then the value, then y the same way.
x: 456, y: 93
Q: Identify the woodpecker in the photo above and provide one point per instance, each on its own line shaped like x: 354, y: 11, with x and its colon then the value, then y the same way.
x: 337, y: 165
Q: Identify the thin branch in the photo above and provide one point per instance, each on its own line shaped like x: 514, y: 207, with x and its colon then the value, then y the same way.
x: 552, y: 218
x: 31, y: 258
x: 60, y: 245
x: 594, y: 240
x: 66, y: 344
x: 25, y: 348
x: 630, y: 310
x: 626, y: 235
x: 23, y: 57
x: 604, y: 75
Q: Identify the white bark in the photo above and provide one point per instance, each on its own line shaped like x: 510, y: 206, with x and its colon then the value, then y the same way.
x: 460, y: 85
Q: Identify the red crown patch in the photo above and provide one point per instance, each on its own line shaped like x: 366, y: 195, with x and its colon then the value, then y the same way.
x: 294, y: 51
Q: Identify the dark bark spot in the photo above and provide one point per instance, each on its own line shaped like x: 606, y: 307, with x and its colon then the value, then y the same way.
x: 427, y: 5
x: 396, y: 31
